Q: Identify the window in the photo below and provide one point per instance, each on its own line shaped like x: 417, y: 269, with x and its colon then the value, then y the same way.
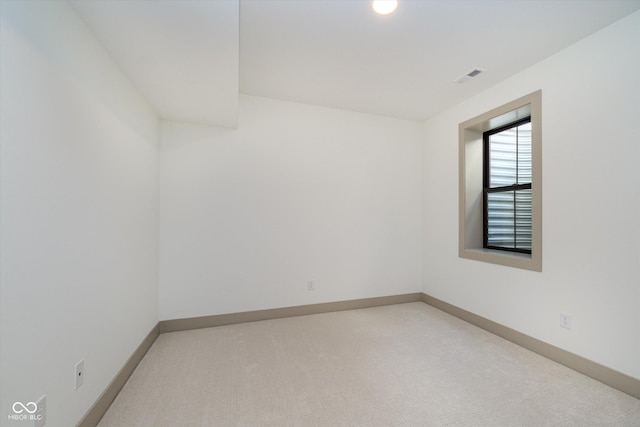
x: 507, y: 187
x: 500, y: 193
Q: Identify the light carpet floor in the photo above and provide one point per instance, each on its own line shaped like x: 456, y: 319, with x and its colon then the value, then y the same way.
x: 399, y: 365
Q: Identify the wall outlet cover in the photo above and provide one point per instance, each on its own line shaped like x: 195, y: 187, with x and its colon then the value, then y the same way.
x: 79, y: 374
x: 565, y: 320
x: 40, y: 416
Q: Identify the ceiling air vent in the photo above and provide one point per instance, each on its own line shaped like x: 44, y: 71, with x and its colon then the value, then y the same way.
x: 471, y: 73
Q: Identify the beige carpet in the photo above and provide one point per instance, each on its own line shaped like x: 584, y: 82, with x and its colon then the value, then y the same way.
x: 400, y: 365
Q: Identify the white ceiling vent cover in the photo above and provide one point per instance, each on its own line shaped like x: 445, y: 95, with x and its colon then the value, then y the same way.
x: 469, y: 74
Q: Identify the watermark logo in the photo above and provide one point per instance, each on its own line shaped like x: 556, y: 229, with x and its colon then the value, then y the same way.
x: 20, y: 407
x: 24, y: 412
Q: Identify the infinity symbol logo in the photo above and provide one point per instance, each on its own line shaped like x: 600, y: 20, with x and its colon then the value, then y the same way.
x: 26, y: 407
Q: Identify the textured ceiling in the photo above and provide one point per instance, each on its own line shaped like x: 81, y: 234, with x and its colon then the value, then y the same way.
x: 191, y: 59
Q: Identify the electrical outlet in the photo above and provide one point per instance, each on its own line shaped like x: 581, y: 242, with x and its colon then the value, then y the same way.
x: 40, y: 416
x: 310, y: 285
x: 565, y: 320
x: 79, y: 374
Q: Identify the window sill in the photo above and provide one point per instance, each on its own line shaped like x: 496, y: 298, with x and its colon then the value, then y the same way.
x: 511, y: 259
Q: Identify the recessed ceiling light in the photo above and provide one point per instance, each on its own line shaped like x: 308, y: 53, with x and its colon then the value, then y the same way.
x: 384, y: 7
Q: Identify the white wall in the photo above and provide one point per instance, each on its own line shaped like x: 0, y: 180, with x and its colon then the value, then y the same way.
x: 78, y: 214
x: 591, y: 204
x: 298, y: 192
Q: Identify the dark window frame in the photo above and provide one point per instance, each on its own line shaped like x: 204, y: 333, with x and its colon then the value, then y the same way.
x: 487, y: 189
